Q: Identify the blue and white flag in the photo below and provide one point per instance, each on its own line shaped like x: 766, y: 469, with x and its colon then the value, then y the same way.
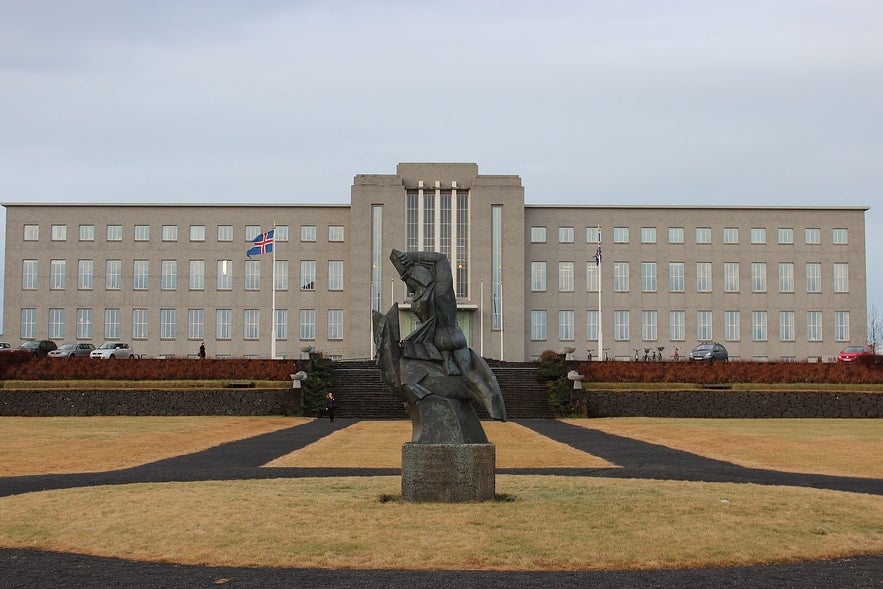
x: 263, y: 244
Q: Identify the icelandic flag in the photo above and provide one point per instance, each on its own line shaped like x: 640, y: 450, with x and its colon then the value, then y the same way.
x: 598, y: 251
x: 263, y: 244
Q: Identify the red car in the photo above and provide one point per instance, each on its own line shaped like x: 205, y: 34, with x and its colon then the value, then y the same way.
x: 853, y: 353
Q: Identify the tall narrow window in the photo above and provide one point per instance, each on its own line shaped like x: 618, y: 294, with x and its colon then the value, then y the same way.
x: 280, y: 324
x: 308, y: 274
x: 29, y: 275
x: 462, y: 276
x: 335, y: 274
x: 676, y: 277
x: 85, y: 274
x: 195, y: 324
x: 565, y: 276
x: 648, y: 326
x: 703, y: 326
x: 28, y: 323
x: 307, y: 324
x: 703, y: 276
x: 140, y: 274
x: 538, y: 325
x: 758, y: 277
x: 786, y: 277
x: 537, y: 276
x: 111, y: 323
x: 335, y: 324
x: 841, y: 277
x: 251, y: 324
x: 731, y: 276
x: 139, y: 324
x: 497, y: 267
x: 813, y: 277
x: 758, y: 326
x: 252, y: 275
x: 676, y: 328
x: 57, y: 271
x: 225, y: 274
x: 445, y: 227
x: 648, y: 276
x: 592, y: 325
x: 565, y: 326
x: 377, y: 254
x: 731, y: 326
x: 621, y: 325
x: 814, y: 326
x: 620, y: 276
x: 223, y: 324
x: 281, y: 275
x: 56, y: 323
x: 786, y: 326
x: 169, y: 277
x: 428, y: 220
x: 167, y: 323
x: 841, y: 326
x: 197, y: 275
x: 592, y: 271
x: 113, y: 270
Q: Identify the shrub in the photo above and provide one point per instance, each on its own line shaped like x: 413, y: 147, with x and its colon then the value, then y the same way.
x: 553, y: 371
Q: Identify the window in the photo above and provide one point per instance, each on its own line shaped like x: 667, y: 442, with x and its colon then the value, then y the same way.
x: 565, y: 276
x: 308, y: 274
x: 307, y: 324
x: 29, y: 274
x: 703, y: 276
x: 84, y: 323
x: 496, y: 267
x: 538, y: 325
x: 167, y: 318
x: 57, y: 270
x: 813, y: 236
x: 335, y: 233
x: 537, y: 276
x: 197, y: 275
x: 731, y: 276
x: 758, y: 326
x: 169, y: 275
x: 676, y: 329
x: 225, y: 232
x: 703, y: 235
x: 758, y: 235
x: 731, y: 326
x: 841, y: 277
x: 31, y: 232
x: 565, y: 235
x: 620, y: 235
x: 648, y: 234
x: 648, y: 276
x: 841, y: 326
x: 252, y: 231
x: 565, y: 326
x: 593, y: 234
x: 703, y: 326
x: 195, y: 324
x: 280, y: 324
x: 620, y: 276
x: 223, y: 323
x: 335, y: 274
x: 813, y: 277
x: 308, y: 233
x: 141, y: 274
x: 197, y: 233
x: 85, y: 274
x: 28, y: 323
x: 281, y: 233
x: 592, y: 325
x: 281, y: 275
x: 786, y: 277
x: 170, y: 233
x: 840, y: 237
x: 113, y: 270
x: 252, y: 275
x: 648, y: 326
x: 621, y: 325
x: 87, y: 232
x: 225, y: 274
x: 758, y: 277
x: 676, y: 277
x: 538, y: 235
x: 786, y: 236
x: 251, y: 324
x: 592, y: 277
x: 142, y: 232
x: 786, y: 326
x: 114, y: 233
x: 111, y: 323
x: 814, y: 326
x: 731, y: 235
x: 59, y: 233
x: 676, y: 235
x: 139, y: 324
x: 56, y: 323
x: 335, y: 324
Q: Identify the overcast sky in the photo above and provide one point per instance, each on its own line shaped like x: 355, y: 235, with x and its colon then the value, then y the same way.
x: 759, y: 102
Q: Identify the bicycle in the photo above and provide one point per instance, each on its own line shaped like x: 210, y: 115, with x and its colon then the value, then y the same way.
x: 676, y: 357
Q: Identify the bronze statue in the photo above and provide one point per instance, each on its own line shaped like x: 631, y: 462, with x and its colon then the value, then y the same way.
x: 432, y: 369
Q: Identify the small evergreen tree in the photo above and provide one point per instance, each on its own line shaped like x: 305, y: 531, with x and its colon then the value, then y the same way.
x: 317, y: 385
x: 553, y: 372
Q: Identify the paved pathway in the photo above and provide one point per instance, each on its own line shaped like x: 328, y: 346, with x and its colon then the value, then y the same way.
x: 243, y: 460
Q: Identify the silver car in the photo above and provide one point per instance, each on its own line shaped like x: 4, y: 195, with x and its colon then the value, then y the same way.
x: 709, y: 352
x: 74, y: 350
x: 110, y: 350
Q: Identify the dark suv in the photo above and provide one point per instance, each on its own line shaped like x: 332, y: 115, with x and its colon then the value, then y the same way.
x: 38, y: 348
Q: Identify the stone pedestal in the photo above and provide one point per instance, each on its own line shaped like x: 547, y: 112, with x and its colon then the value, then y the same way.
x: 448, y: 473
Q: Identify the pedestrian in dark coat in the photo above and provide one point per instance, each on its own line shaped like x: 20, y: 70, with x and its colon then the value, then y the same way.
x: 330, y: 405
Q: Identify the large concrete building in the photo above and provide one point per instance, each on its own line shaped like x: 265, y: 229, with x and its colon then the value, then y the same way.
x: 770, y: 283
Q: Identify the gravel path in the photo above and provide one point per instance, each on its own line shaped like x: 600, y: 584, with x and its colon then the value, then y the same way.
x: 243, y: 459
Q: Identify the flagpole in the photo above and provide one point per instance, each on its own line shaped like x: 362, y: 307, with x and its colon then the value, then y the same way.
x: 501, y: 320
x: 273, y: 311
x: 600, y: 323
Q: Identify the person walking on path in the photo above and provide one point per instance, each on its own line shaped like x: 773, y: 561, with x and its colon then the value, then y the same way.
x: 201, y: 353
x: 330, y: 405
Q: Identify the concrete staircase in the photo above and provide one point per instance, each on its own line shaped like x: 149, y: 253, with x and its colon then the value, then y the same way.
x: 361, y: 392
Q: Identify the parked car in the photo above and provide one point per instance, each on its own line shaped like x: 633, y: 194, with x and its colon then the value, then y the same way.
x: 853, y: 353
x: 5, y: 347
x: 709, y: 352
x: 112, y: 350
x: 39, y: 348
x: 73, y: 350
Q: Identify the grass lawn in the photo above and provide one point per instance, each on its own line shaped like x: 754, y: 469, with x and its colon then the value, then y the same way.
x: 552, y: 523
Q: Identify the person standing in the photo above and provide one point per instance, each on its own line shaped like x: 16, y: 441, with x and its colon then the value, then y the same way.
x: 330, y: 405
x: 201, y: 353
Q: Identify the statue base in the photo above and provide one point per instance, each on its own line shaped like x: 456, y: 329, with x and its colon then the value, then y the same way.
x: 448, y: 473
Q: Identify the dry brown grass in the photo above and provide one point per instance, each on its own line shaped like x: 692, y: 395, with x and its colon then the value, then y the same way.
x: 555, y: 523
x: 516, y: 447
x: 44, y: 445
x: 839, y: 447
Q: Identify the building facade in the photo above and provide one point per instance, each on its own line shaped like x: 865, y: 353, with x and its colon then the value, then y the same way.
x: 770, y: 283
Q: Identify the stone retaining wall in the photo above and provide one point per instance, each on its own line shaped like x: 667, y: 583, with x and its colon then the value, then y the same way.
x: 151, y: 402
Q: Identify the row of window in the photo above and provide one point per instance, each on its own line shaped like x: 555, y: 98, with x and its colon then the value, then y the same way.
x: 168, y: 324
x: 757, y: 235
x: 732, y: 328
x: 677, y: 279
x: 58, y: 232
x: 169, y: 274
